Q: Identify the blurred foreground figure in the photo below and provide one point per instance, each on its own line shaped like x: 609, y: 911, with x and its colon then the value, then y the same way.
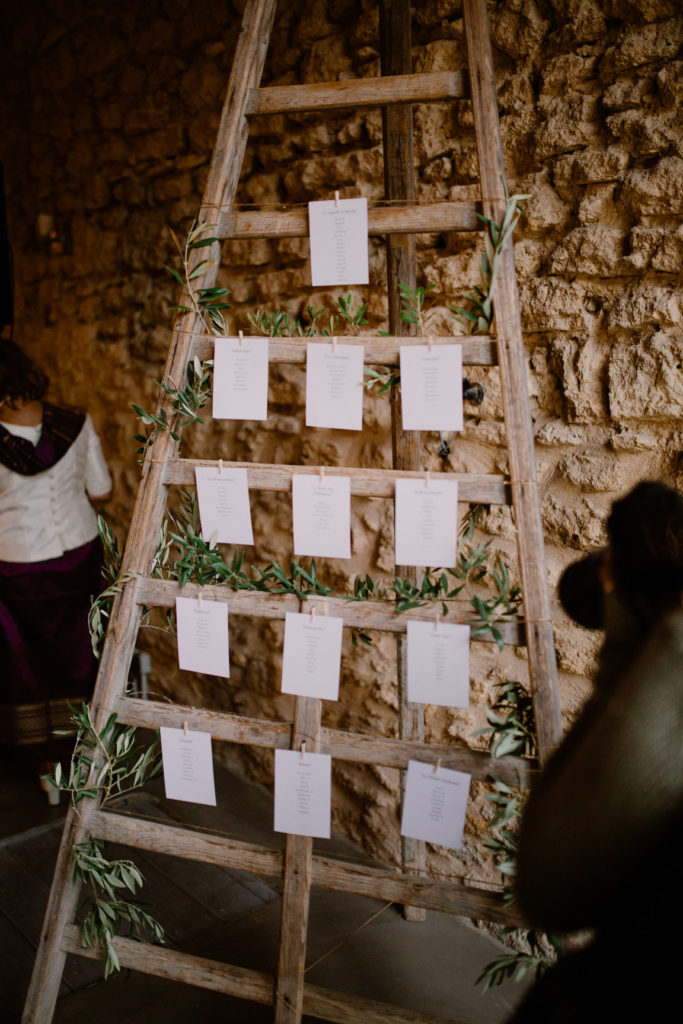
x: 600, y: 843
x: 51, y: 469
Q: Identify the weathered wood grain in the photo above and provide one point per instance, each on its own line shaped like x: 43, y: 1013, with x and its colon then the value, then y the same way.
x: 515, y: 390
x: 148, y: 513
x: 363, y: 748
x: 478, y: 351
x: 296, y: 893
x: 293, y: 223
x: 482, y: 488
x: 255, y: 986
x: 355, y: 93
x: 367, y: 615
x: 452, y: 897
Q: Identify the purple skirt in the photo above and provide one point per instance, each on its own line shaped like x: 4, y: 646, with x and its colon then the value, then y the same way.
x: 46, y: 657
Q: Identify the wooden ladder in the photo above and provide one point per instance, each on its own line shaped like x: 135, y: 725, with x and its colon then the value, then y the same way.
x: 299, y: 869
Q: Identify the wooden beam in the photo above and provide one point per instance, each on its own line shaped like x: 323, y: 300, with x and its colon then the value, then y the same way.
x: 354, y: 93
x: 399, y: 184
x: 476, y: 351
x: 382, y: 616
x: 483, y: 488
x: 296, y: 894
x: 515, y: 390
x: 293, y: 223
x: 361, y: 748
x: 450, y: 897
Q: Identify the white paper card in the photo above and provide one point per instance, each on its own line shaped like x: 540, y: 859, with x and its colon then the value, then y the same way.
x: 339, y: 241
x: 240, y: 379
x: 435, y: 804
x: 188, y: 765
x: 311, y: 659
x: 439, y: 663
x: 303, y: 793
x: 334, y: 386
x: 431, y: 387
x: 321, y: 515
x: 203, y: 636
x: 223, y: 497
x: 426, y: 521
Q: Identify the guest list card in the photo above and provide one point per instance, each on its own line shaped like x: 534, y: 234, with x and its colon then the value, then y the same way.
x: 188, y: 765
x: 334, y: 386
x: 311, y: 660
x: 303, y: 793
x: 431, y: 387
x: 339, y: 241
x: 435, y: 804
x: 223, y: 496
x: 321, y: 515
x: 203, y: 636
x: 439, y: 663
x: 240, y: 379
x: 426, y: 521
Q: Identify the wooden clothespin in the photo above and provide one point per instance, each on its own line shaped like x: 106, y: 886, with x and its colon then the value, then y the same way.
x: 427, y: 476
x: 336, y: 198
x: 220, y: 467
x: 437, y: 766
x: 185, y: 729
x: 303, y: 749
x: 240, y: 335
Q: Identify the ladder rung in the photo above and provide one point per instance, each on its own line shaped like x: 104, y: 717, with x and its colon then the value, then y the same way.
x: 382, y: 220
x: 353, y: 93
x: 480, y: 488
x: 343, y: 876
x: 169, y: 963
x: 476, y: 351
x: 366, y: 615
x: 361, y: 748
x: 325, y: 1004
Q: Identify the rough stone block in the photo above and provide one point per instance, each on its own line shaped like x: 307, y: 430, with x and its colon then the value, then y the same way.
x: 591, y: 165
x: 590, y: 250
x: 640, y: 307
x: 645, y: 381
x: 644, y: 44
x: 655, y: 190
x: 643, y: 136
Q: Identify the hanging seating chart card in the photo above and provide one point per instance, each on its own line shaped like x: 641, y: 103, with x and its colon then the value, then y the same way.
x: 435, y: 804
x: 240, y: 379
x: 426, y: 521
x: 303, y: 793
x: 334, y: 386
x: 439, y: 663
x: 223, y: 497
x: 188, y: 765
x: 431, y: 387
x: 338, y: 231
x: 203, y: 636
x: 321, y: 515
x: 311, y: 660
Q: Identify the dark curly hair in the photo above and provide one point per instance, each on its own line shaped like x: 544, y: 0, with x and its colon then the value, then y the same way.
x: 645, y: 530
x: 20, y: 378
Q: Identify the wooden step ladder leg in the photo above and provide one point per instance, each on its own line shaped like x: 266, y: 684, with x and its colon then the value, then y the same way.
x: 150, y: 503
x: 514, y: 379
x: 296, y: 894
x: 399, y: 184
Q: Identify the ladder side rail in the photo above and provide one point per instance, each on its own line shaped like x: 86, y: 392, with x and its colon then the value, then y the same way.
x: 296, y: 894
x: 514, y: 379
x: 399, y: 183
x: 149, y: 506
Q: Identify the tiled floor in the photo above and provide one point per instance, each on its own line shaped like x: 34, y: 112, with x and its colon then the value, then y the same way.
x: 355, y: 944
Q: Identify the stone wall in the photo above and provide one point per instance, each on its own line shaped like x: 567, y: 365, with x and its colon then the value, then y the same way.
x: 108, y: 126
